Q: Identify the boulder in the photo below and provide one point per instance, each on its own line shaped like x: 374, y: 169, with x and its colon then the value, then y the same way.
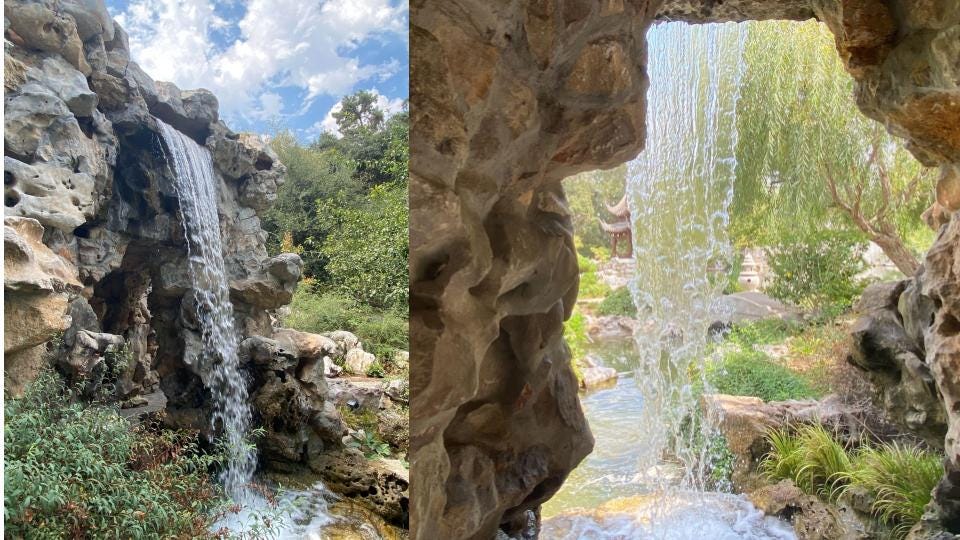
x: 811, y: 518
x: 745, y: 421
x: 895, y: 361
x: 344, y: 340
x: 357, y: 361
x: 189, y: 111
x: 91, y: 17
x: 66, y: 83
x: 43, y: 29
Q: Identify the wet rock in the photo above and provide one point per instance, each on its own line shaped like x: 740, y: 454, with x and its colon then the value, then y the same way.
x: 811, y: 518
x: 189, y: 111
x: 594, y: 375
x: 381, y: 484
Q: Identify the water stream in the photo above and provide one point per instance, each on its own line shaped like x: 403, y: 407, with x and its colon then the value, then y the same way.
x: 196, y: 186
x: 649, y: 476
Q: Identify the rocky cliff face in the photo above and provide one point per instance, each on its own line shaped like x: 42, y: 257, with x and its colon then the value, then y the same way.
x: 507, y: 100
x: 96, y: 273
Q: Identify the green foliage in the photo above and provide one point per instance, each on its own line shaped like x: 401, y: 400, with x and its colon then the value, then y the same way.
x: 343, y: 203
x: 590, y: 284
x: 811, y: 457
x: 577, y: 338
x: 376, y: 370
x: 383, y: 333
x: 370, y: 444
x: 747, y: 372
x: 817, y: 271
x: 367, y: 251
x: 619, y: 302
x: 78, y: 471
x: 898, y: 477
x: 312, y: 176
x: 721, y: 462
x: 797, y: 120
x: 764, y: 332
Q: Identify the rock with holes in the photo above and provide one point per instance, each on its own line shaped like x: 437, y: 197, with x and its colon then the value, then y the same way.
x: 895, y: 360
x: 54, y: 196
x: 38, y: 27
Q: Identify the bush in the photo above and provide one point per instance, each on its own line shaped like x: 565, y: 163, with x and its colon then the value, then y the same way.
x: 367, y: 252
x: 764, y: 332
x: 575, y: 334
x: 818, y: 271
x: 80, y: 471
x: 619, y: 302
x: 383, y: 333
x: 590, y: 284
x: 746, y: 372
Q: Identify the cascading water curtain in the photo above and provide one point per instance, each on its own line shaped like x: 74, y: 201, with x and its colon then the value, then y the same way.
x: 196, y: 187
x: 680, y: 189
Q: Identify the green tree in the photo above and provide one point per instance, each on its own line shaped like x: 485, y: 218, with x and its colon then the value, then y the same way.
x: 359, y: 112
x: 367, y: 251
x: 809, y: 159
x: 312, y: 176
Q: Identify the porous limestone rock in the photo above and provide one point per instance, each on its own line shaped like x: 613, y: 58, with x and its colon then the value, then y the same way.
x: 37, y: 287
x: 895, y: 361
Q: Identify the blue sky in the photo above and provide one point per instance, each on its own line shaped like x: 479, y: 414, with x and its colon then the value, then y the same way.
x: 273, y: 62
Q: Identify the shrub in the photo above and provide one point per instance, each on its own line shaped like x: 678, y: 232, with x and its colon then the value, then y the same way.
x: 901, y: 479
x: 80, y: 471
x: 575, y: 334
x: 383, y: 333
x: 367, y: 252
x: 590, y: 284
x: 746, y: 372
x: 619, y: 302
x: 817, y: 271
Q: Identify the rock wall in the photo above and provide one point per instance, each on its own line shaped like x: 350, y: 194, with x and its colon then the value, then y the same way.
x: 96, y: 278
x: 510, y: 98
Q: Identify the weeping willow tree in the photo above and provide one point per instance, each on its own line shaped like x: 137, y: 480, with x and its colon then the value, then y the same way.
x: 808, y: 160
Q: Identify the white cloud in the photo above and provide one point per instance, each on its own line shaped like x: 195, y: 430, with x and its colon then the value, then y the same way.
x: 308, y: 45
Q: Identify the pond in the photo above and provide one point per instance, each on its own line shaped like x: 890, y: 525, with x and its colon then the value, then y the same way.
x: 608, y: 497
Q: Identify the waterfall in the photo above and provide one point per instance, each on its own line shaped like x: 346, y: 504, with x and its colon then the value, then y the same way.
x: 680, y: 189
x: 196, y: 187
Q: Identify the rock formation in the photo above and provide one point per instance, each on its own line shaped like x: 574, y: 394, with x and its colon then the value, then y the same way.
x: 509, y: 99
x: 96, y: 278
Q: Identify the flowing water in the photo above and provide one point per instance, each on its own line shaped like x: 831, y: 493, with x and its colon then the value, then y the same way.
x: 649, y: 476
x: 196, y: 186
